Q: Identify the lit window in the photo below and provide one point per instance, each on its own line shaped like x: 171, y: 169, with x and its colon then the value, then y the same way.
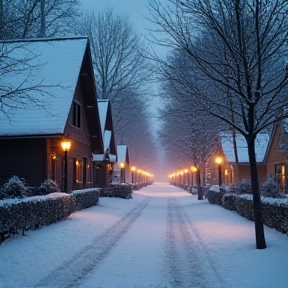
x: 79, y: 174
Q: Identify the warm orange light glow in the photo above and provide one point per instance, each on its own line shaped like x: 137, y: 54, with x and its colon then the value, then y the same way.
x: 66, y: 145
x: 218, y: 160
x: 133, y: 168
x: 122, y: 165
x: 193, y: 168
x: 186, y: 170
x: 139, y: 171
x: 226, y: 172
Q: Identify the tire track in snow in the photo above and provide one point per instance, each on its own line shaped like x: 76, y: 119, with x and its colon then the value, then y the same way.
x: 86, y: 259
x: 189, y: 264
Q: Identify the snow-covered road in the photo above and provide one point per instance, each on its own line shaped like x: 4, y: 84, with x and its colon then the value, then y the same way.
x: 163, y: 237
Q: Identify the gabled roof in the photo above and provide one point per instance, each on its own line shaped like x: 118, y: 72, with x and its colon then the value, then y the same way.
x: 106, y: 121
x: 55, y: 65
x: 261, y: 144
x: 103, y: 110
x: 122, y: 154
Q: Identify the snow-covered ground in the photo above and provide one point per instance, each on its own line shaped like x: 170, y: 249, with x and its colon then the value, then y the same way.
x: 163, y: 237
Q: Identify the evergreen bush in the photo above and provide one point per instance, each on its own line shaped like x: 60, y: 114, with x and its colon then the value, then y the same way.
x: 48, y: 186
x: 244, y: 187
x: 269, y: 188
x: 14, y: 188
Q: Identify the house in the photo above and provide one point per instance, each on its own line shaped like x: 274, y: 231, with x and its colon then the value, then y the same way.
x: 241, y: 169
x: 56, y: 137
x: 121, y: 169
x: 276, y: 157
x: 105, y: 161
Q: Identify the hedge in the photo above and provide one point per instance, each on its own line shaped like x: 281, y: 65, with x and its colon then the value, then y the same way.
x: 37, y: 211
x: 86, y: 198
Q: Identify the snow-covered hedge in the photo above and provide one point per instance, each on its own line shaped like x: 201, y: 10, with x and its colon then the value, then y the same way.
x: 86, y: 198
x: 34, y: 212
x: 117, y: 190
x: 274, y: 211
x: 244, y: 205
x: 214, y: 196
x: 228, y: 201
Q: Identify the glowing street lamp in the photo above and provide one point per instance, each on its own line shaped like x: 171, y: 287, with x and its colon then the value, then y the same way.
x: 122, y: 167
x: 187, y: 176
x: 133, y: 172
x: 218, y: 162
x: 65, y: 147
x: 193, y: 169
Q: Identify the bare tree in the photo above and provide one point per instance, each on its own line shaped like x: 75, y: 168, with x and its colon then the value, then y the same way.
x: 240, y: 47
x: 122, y: 76
x: 37, y: 18
x: 188, y: 136
x: 19, y: 59
x: 117, y: 52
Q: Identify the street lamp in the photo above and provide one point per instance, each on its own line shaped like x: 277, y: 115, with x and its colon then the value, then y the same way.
x: 187, y: 176
x: 65, y: 147
x: 193, y: 169
x: 133, y: 172
x: 218, y: 162
x: 122, y: 167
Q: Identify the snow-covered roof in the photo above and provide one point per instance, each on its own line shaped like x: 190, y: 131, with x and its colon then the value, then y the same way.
x: 55, y: 63
x: 122, y: 153
x: 107, y: 138
x: 261, y: 144
x: 103, y: 110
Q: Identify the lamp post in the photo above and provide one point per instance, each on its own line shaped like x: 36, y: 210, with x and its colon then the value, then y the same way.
x: 193, y: 169
x: 65, y: 147
x: 218, y: 162
x: 122, y: 167
x: 187, y: 176
x: 133, y: 172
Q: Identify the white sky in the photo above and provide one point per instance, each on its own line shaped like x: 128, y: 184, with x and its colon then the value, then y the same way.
x: 223, y: 243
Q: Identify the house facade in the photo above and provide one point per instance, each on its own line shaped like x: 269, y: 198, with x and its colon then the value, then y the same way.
x: 277, y: 155
x: 121, y: 169
x: 239, y: 167
x: 32, y: 139
x: 105, y: 162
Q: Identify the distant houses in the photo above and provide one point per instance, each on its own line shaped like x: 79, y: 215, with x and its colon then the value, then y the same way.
x: 230, y: 164
x: 59, y: 134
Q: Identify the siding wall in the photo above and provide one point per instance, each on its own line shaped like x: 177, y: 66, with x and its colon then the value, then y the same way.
x: 25, y: 158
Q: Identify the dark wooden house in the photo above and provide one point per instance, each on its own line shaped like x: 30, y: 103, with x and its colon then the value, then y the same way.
x: 104, y: 162
x: 59, y: 81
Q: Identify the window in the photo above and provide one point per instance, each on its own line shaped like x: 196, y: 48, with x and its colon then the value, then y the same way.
x: 79, y: 167
x: 280, y: 176
x: 76, y: 115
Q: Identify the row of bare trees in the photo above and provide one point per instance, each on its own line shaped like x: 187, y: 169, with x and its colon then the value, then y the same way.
x: 237, y: 52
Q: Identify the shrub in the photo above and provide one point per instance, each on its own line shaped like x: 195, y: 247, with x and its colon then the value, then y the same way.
x: 244, y: 187
x: 14, y: 188
x: 269, y: 188
x: 48, y: 186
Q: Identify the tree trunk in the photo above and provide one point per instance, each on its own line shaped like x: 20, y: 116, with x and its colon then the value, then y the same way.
x: 200, y: 192
x: 259, y: 229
